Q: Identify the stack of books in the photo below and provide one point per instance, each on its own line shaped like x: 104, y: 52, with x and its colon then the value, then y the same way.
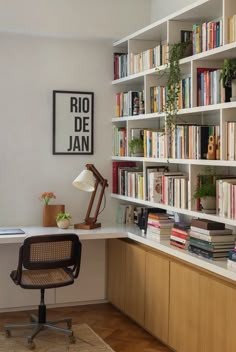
x: 179, y: 236
x: 231, y: 261
x: 210, y: 239
x: 159, y: 226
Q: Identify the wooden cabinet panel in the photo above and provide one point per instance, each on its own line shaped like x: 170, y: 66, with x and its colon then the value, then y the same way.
x: 184, y: 308
x: 135, y: 282
x: 217, y: 316
x: 116, y: 273
x: 157, y: 295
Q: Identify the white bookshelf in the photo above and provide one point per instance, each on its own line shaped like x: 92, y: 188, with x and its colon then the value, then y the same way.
x: 168, y: 29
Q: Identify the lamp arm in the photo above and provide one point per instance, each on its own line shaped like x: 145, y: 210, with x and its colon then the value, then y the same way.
x: 97, y: 174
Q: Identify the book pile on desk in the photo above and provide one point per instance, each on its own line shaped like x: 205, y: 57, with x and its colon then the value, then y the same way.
x: 159, y: 226
x: 231, y: 261
x: 210, y: 239
x: 179, y: 236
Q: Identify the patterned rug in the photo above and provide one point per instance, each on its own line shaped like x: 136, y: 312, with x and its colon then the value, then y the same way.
x: 49, y: 341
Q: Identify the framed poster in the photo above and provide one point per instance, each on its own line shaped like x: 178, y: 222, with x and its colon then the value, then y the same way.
x: 72, y: 122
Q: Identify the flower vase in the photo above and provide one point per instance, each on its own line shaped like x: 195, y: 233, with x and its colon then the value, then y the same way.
x: 50, y: 212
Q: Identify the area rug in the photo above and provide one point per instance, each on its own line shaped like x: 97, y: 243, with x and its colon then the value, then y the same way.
x: 49, y: 341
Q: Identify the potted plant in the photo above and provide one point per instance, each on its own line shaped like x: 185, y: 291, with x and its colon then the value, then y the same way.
x: 50, y: 210
x: 63, y: 220
x: 228, y: 77
x: 207, y: 194
x: 136, y: 147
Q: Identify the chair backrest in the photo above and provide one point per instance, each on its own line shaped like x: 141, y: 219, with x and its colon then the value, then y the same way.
x: 51, y: 251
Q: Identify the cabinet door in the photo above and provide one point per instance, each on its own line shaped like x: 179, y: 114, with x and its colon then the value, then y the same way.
x: 218, y: 315
x: 184, y: 308
x: 157, y: 295
x: 116, y: 273
x: 135, y: 282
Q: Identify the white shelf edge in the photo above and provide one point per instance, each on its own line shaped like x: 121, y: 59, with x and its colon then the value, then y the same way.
x: 203, y: 162
x: 195, y: 109
x: 192, y: 213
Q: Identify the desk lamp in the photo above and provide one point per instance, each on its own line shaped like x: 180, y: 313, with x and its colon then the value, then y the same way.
x: 88, y: 180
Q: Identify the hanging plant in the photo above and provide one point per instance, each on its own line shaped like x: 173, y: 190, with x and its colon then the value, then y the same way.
x: 176, y: 53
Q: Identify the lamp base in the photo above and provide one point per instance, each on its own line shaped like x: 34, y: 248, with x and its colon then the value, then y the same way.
x: 85, y: 226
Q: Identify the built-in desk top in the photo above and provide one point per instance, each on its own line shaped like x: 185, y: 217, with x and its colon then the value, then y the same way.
x: 109, y: 231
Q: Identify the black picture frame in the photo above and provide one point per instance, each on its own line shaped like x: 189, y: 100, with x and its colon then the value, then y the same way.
x: 73, y: 115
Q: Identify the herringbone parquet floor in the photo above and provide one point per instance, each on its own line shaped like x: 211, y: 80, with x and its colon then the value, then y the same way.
x: 116, y: 329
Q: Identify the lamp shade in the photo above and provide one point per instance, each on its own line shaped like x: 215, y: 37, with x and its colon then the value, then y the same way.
x: 85, y: 181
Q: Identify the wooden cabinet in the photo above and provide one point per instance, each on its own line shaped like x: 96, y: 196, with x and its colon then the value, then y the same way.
x: 135, y: 282
x: 157, y: 295
x: 116, y: 273
x: 217, y: 315
x: 187, y: 308
x: 184, y: 308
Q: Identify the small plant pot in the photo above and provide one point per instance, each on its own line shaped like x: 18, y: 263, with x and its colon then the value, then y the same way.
x: 208, y: 203
x: 63, y: 224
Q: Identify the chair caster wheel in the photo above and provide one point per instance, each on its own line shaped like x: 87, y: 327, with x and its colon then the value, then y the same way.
x: 72, y: 339
x: 31, y: 344
x: 8, y: 333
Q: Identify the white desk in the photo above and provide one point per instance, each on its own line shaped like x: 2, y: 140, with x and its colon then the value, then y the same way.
x: 90, y: 287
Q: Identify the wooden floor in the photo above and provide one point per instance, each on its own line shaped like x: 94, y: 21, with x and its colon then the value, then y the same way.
x: 116, y: 329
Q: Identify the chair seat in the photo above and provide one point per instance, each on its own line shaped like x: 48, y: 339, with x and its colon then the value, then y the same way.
x: 44, y: 278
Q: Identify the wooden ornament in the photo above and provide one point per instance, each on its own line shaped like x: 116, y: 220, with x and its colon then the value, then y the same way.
x: 211, y: 154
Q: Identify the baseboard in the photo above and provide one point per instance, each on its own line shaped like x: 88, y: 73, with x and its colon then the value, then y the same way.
x: 70, y: 304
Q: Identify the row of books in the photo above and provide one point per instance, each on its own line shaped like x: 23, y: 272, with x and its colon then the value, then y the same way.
x: 209, y: 87
x: 226, y: 197
x: 149, y: 58
x: 232, y: 29
x: 158, y: 96
x: 119, y: 141
x: 130, y: 182
x: 206, y: 36
x: 120, y: 65
x: 129, y: 103
x: 169, y: 188
x: 191, y: 141
x: 154, y: 142
x: 231, y: 140
x: 210, y: 239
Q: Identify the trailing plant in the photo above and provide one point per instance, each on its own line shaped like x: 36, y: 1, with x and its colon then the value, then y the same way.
x: 228, y: 72
x: 176, y: 53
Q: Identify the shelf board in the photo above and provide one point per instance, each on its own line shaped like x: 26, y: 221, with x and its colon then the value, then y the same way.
x: 139, y: 117
x: 203, y: 162
x: 191, y: 213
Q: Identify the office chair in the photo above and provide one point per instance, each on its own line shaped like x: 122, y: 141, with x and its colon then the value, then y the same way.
x: 46, y: 261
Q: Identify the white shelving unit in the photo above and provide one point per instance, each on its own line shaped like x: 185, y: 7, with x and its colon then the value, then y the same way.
x: 168, y: 29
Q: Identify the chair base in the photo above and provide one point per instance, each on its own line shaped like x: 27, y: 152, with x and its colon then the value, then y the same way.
x: 52, y: 325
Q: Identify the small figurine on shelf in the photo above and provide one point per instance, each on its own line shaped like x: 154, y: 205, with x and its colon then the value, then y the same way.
x: 141, y: 107
x: 136, y: 106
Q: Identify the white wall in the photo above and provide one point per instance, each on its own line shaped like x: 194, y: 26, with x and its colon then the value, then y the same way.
x: 75, y: 18
x: 30, y: 68
x: 160, y: 8
x: 34, y: 61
